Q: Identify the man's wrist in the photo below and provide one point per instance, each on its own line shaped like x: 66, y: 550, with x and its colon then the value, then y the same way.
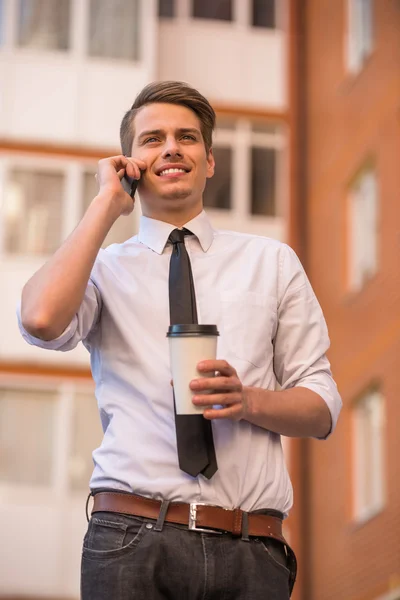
x: 108, y: 205
x: 252, y: 402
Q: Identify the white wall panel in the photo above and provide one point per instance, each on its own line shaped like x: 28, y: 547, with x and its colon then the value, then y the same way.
x: 106, y: 92
x: 50, y: 529
x: 228, y: 64
x: 14, y: 273
x: 42, y: 93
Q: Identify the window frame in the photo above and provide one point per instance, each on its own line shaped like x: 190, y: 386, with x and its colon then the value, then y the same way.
x: 64, y: 391
x: 241, y: 138
x: 358, y: 273
x: 30, y: 162
x: 358, y: 48
x: 27, y: 48
x: 242, y: 16
x: 73, y: 170
x: 363, y: 509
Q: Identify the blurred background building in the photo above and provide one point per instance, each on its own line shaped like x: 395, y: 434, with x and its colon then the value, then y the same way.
x: 307, y: 95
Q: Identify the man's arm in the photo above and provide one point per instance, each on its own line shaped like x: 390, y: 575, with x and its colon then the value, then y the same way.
x: 53, y: 295
x: 309, y: 403
x: 297, y: 412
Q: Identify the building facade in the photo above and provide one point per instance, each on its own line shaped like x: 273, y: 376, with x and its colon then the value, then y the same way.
x: 348, y: 517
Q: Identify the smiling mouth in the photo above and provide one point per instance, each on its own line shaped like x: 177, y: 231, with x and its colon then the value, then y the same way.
x: 172, y: 172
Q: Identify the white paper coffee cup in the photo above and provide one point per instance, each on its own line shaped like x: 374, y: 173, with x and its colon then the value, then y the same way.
x: 189, y: 345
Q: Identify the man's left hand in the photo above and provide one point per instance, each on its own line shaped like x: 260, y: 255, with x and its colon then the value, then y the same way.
x: 225, y: 389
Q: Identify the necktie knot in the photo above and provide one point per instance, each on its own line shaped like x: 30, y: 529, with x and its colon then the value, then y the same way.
x: 178, y: 236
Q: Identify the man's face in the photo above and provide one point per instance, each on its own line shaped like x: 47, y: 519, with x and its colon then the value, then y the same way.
x: 167, y: 137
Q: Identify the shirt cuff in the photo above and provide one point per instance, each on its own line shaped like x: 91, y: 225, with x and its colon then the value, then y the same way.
x: 332, y: 399
x: 55, y: 344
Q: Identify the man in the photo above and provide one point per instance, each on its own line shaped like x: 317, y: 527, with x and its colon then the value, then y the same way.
x: 156, y: 530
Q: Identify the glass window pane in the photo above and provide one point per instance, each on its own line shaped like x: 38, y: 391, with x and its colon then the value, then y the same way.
x: 264, y: 13
x: 263, y: 181
x: 86, y: 437
x: 26, y: 436
x: 166, y: 8
x: 32, y: 211
x: 212, y: 9
x: 218, y: 189
x: 44, y: 24
x: 265, y: 127
x: 123, y: 228
x: 226, y: 123
x: 114, y: 29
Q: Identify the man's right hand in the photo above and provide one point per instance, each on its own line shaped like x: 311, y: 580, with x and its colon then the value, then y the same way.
x: 109, y: 174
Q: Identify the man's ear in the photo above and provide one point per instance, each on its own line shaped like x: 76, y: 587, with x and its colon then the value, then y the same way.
x: 210, y: 164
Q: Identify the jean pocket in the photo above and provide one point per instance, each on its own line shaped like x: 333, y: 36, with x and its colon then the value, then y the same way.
x: 111, y: 535
x: 276, y: 554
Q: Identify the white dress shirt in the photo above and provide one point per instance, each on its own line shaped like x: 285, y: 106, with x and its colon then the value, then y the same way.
x: 272, y: 330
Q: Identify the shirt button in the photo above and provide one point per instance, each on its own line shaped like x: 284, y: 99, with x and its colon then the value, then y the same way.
x: 149, y: 526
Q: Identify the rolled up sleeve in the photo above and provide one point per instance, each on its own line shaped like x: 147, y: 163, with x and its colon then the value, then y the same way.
x: 302, y: 339
x: 81, y: 325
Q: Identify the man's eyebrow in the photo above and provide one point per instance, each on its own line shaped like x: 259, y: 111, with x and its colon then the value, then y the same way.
x: 189, y: 130
x: 150, y: 132
x: 180, y: 130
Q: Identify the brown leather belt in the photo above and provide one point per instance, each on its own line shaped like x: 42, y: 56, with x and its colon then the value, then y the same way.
x: 196, y: 516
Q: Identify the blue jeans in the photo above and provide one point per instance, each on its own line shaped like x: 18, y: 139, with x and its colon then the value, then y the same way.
x: 124, y: 558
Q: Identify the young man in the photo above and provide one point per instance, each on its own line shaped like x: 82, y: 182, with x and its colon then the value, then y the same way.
x: 160, y: 527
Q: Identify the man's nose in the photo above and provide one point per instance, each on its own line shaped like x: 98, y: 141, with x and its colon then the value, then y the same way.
x: 171, y: 148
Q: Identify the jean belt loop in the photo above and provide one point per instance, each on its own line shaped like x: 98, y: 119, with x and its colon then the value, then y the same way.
x: 245, y: 527
x: 161, y: 516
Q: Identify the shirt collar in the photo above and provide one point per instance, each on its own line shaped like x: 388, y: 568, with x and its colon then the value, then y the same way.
x: 154, y: 234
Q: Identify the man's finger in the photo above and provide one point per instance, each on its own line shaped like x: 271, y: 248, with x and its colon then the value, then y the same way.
x: 216, y: 383
x: 232, y: 412
x: 217, y: 399
x: 216, y: 365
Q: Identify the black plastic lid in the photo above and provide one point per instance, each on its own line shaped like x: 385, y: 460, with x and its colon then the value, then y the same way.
x: 192, y: 330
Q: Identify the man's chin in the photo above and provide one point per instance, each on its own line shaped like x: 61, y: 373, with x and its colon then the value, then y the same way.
x: 177, y: 194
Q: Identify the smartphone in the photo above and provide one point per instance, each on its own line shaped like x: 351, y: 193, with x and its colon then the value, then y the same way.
x: 130, y: 185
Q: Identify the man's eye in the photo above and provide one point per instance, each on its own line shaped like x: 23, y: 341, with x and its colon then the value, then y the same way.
x: 188, y: 136
x: 152, y: 139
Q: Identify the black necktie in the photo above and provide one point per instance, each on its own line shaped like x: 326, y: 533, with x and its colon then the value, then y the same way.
x: 194, y: 436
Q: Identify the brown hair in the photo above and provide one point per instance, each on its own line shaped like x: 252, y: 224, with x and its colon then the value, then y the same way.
x: 169, y: 92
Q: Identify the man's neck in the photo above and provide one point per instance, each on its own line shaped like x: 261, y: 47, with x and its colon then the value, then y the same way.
x: 178, y: 219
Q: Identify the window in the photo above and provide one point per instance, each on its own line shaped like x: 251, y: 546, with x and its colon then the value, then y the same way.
x: 122, y: 229
x: 212, y: 9
x: 248, y: 168
x: 360, y: 33
x: 368, y: 455
x: 264, y: 13
x: 44, y: 24
x: 166, y: 8
x: 32, y: 211
x: 263, y: 181
x: 363, y: 230
x: 114, y: 29
x: 32, y: 451
x: 393, y: 595
x: 218, y: 188
x: 26, y: 436
x: 86, y: 436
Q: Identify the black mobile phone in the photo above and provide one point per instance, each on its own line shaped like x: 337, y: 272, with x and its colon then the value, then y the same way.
x: 130, y: 185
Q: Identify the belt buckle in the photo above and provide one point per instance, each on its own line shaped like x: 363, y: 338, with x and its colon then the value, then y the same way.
x: 193, y: 516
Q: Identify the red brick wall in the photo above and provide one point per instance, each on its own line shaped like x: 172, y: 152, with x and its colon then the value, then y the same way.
x: 348, y: 119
